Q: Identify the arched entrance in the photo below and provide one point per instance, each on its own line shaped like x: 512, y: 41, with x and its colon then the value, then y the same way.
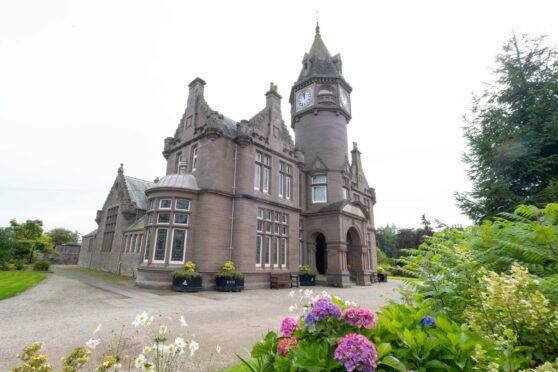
x: 354, y: 256
x: 321, y: 254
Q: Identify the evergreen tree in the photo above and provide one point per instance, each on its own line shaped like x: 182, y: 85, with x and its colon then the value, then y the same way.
x: 512, y: 133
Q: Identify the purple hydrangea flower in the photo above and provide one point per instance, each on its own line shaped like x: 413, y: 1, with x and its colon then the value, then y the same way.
x: 360, y: 318
x: 357, y: 353
x: 429, y: 321
x: 288, y: 325
x: 309, y: 320
x: 324, y: 308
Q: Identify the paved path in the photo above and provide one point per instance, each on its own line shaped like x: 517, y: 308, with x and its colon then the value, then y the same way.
x: 63, y: 310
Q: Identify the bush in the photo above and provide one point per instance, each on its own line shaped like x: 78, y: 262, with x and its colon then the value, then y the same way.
x: 5, y: 266
x: 41, y: 265
x: 229, y: 271
x: 307, y: 270
x: 189, y: 271
x: 19, y: 265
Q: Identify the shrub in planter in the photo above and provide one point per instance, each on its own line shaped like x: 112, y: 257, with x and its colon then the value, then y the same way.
x: 382, y: 274
x: 229, y: 279
x: 307, y: 275
x: 187, y: 279
x: 41, y: 265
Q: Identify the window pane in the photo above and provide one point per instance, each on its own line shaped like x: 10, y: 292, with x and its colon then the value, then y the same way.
x: 275, y: 252
x: 150, y: 219
x: 160, y: 245
x: 165, y: 203
x: 183, y: 204
x: 260, y: 213
x: 319, y: 194
x: 285, y: 230
x: 164, y: 218
x: 152, y: 204
x: 319, y: 179
x: 178, y: 244
x: 266, y: 179
x: 267, y: 250
x: 284, y: 252
x: 259, y: 226
x: 257, y: 177
x: 280, y: 185
x: 268, y: 227
x: 277, y: 229
x: 147, y: 243
x: 258, y: 250
x: 181, y: 219
x: 288, y: 187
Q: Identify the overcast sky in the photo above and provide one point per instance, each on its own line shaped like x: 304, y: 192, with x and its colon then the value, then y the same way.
x: 86, y: 85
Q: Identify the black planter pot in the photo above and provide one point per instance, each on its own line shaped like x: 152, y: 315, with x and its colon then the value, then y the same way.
x: 187, y: 284
x: 307, y: 280
x: 229, y: 284
x: 382, y: 278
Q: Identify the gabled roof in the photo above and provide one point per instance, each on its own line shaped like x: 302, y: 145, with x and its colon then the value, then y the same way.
x: 136, y: 189
x: 92, y: 233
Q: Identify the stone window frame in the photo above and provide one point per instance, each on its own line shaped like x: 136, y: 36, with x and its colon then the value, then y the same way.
x: 318, y: 184
x: 164, y: 245
x: 151, y: 204
x: 262, y: 172
x: 163, y: 214
x: 273, y: 225
x: 285, y: 183
x: 182, y: 209
x: 147, y: 243
x: 181, y: 214
x: 161, y: 202
x: 195, y: 156
x: 110, y: 227
x: 183, y: 247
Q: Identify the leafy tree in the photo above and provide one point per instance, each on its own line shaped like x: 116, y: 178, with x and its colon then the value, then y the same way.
x: 7, y: 244
x: 61, y: 235
x: 386, y: 237
x: 30, y: 238
x: 512, y: 133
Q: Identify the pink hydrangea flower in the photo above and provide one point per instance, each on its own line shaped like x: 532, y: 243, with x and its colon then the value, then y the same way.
x: 359, y: 317
x: 357, y: 353
x: 286, y: 344
x: 288, y: 325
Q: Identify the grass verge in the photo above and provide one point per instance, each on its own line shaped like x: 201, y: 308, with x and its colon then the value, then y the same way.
x: 14, y: 282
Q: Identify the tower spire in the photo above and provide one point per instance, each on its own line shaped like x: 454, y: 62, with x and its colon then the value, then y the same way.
x: 317, y: 22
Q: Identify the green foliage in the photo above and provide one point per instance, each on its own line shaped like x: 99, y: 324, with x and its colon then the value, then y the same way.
x: 19, y: 265
x: 41, y: 265
x: 5, y: 266
x: 189, y: 271
x: 512, y: 133
x: 386, y: 238
x: 307, y: 270
x: 403, y: 343
x: 229, y: 271
x: 24, y: 240
x: 7, y: 245
x: 61, y: 235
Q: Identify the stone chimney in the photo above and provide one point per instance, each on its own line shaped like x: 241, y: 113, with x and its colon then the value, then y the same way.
x: 273, y: 99
x: 196, y: 87
x: 355, y: 162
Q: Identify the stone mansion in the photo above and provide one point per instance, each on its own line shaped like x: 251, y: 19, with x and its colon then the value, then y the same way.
x: 245, y: 191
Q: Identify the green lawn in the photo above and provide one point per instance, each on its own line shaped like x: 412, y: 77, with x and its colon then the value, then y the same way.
x: 14, y: 282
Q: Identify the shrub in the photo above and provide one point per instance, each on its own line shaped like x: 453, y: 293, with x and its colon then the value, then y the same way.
x: 307, y: 270
x: 229, y: 271
x: 41, y: 265
x: 5, y: 266
x: 189, y: 271
x: 19, y: 265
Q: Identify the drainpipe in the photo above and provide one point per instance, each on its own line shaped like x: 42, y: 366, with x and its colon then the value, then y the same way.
x: 233, y: 200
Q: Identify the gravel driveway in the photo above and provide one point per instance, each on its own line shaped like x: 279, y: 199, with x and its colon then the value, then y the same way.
x: 64, y: 309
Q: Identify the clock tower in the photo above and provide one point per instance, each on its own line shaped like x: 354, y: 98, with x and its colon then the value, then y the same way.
x: 336, y: 201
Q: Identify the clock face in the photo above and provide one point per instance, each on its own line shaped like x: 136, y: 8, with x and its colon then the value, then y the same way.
x: 304, y: 98
x: 344, y: 96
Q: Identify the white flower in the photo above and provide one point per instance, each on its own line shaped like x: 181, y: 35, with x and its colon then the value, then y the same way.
x: 97, y: 329
x: 179, y: 342
x: 291, y: 309
x: 92, y: 343
x: 307, y: 293
x: 291, y: 293
x: 146, y: 350
x: 218, y: 349
x: 300, y: 290
x: 194, y: 346
x: 170, y: 348
x: 141, y: 319
x: 159, y: 347
x: 150, y: 321
x: 140, y: 361
x: 183, y: 321
x: 163, y: 329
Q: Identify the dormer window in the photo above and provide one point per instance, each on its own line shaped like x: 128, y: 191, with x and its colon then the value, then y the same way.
x: 319, y: 189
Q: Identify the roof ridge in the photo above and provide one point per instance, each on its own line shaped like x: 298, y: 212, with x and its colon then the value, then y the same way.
x: 139, y: 179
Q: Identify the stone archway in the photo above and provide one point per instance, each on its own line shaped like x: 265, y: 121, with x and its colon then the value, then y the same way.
x: 321, y: 254
x: 353, y: 252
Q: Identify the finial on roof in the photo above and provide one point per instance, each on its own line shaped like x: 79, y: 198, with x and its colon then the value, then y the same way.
x: 317, y: 22
x: 121, y: 169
